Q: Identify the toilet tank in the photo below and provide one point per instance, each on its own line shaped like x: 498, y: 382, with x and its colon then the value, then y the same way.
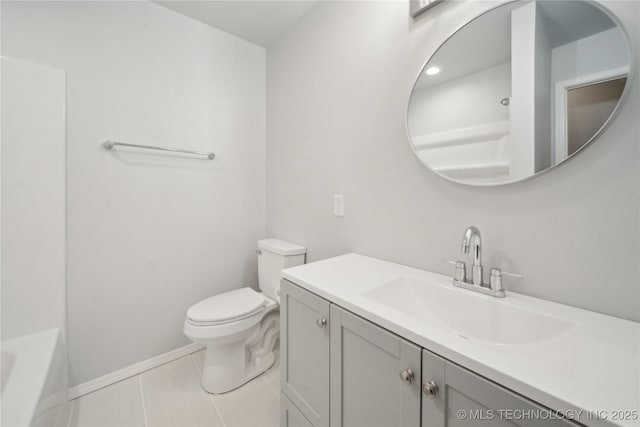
x: 273, y: 256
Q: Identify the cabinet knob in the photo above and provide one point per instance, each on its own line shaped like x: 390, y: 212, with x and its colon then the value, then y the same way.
x: 321, y: 323
x: 430, y: 389
x: 406, y: 376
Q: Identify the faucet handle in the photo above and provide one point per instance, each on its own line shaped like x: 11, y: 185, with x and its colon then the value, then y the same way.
x: 498, y: 272
x: 514, y: 275
x: 461, y: 269
x: 495, y: 278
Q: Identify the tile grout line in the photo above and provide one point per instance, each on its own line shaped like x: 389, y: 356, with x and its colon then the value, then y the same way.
x: 213, y: 402
x: 144, y: 406
x: 193, y: 359
x: 270, y: 387
x: 72, y: 405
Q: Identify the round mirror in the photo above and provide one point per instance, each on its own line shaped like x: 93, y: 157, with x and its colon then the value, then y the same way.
x: 518, y: 90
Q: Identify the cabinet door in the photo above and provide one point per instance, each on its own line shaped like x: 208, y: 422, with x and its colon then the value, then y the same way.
x: 366, y: 365
x: 290, y: 416
x: 463, y: 398
x: 304, y: 355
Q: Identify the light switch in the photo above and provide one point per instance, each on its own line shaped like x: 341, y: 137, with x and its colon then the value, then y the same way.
x: 338, y: 204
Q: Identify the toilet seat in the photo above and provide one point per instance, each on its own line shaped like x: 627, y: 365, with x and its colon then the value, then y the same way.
x: 228, y: 329
x: 240, y: 328
x: 227, y: 307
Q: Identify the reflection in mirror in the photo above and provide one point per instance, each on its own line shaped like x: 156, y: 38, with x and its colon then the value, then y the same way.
x: 518, y: 90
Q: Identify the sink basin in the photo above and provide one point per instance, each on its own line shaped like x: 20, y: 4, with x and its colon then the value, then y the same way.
x: 470, y: 315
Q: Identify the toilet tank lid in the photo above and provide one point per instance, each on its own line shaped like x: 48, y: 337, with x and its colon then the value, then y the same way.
x: 281, y: 247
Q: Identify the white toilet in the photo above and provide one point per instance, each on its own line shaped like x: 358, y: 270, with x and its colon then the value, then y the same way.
x: 240, y: 327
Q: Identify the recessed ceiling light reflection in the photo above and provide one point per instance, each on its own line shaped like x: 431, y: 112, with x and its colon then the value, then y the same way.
x: 432, y: 71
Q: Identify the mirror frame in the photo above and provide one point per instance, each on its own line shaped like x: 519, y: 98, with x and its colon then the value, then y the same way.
x: 614, y: 113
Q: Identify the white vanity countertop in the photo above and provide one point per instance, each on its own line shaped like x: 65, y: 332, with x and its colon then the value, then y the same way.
x: 594, y: 369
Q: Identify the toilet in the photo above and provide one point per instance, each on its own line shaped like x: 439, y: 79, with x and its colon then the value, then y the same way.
x: 241, y: 327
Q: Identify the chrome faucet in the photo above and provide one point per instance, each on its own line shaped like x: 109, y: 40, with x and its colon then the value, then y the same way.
x: 472, y: 240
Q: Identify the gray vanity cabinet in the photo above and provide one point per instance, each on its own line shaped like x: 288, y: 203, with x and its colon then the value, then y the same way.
x: 340, y: 370
x: 304, y: 354
x: 456, y: 397
x: 367, y: 369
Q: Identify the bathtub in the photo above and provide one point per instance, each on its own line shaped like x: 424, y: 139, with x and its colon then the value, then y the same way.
x: 34, y: 386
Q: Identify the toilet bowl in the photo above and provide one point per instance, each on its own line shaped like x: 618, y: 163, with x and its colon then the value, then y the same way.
x: 240, y: 327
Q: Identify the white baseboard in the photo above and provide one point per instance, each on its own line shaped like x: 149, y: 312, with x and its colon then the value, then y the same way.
x: 129, y: 371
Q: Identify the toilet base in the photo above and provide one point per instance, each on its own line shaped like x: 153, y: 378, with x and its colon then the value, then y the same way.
x: 217, y: 380
x: 232, y: 364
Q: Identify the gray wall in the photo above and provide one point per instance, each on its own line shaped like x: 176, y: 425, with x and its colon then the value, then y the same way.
x: 149, y: 234
x: 337, y: 92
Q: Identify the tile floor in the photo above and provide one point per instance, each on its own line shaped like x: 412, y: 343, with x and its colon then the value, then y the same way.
x: 171, y: 395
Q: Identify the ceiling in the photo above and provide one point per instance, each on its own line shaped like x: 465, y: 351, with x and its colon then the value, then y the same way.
x: 486, y: 42
x: 482, y: 44
x: 568, y: 20
x: 258, y: 21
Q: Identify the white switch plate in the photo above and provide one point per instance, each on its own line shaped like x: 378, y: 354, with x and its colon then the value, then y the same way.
x: 338, y: 204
